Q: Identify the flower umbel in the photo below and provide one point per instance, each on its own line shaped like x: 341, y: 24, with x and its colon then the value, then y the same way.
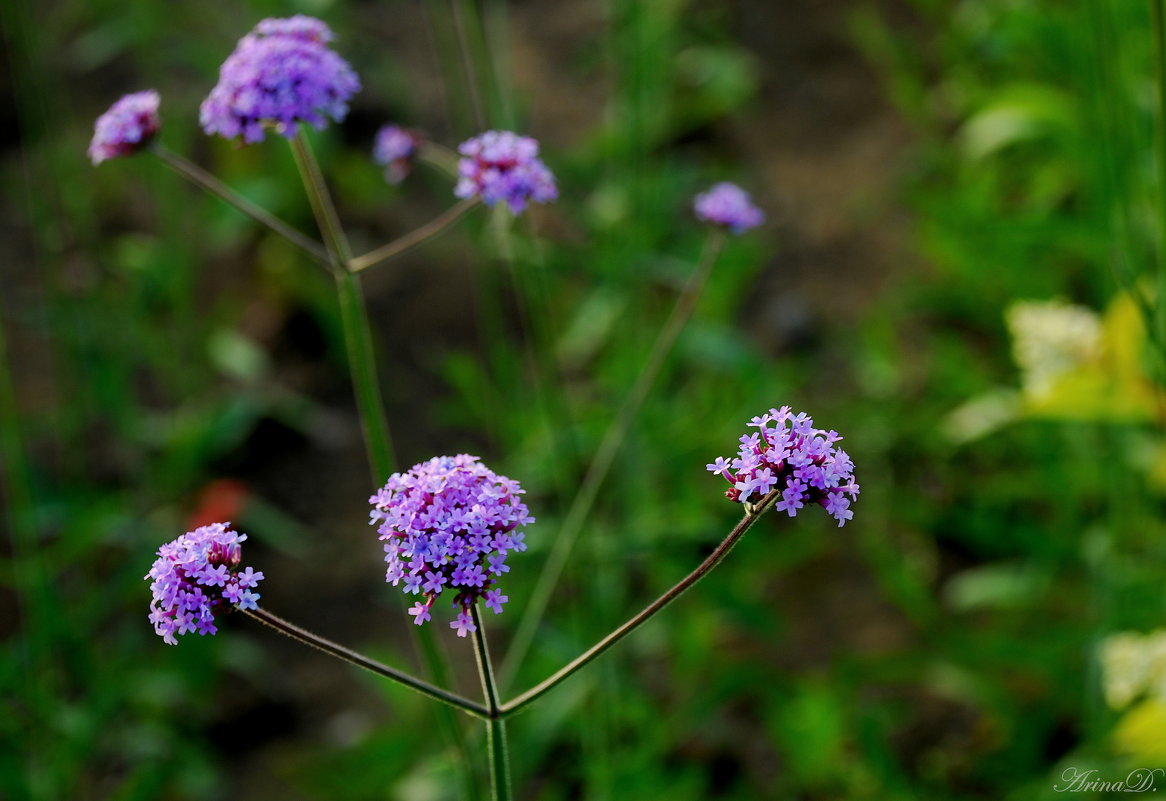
x: 448, y: 525
x: 394, y: 149
x: 729, y: 206
x: 503, y: 166
x: 788, y: 455
x: 126, y: 127
x: 196, y: 577
x: 280, y: 74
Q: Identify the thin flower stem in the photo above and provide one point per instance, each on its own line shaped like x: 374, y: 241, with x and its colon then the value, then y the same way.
x: 751, y: 514
x: 485, y: 666
x: 471, y: 75
x: 499, y: 759
x: 353, y: 315
x: 496, y: 727
x: 605, y: 456
x: 362, y: 364
x: 204, y: 180
x: 440, y: 158
x: 371, y: 665
x: 321, y: 200
x: 413, y: 238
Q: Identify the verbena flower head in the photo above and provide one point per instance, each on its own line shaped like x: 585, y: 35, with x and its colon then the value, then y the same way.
x: 394, y: 149
x: 197, y: 577
x: 503, y: 166
x: 126, y: 127
x: 280, y: 74
x: 448, y: 526
x: 788, y: 455
x: 729, y: 206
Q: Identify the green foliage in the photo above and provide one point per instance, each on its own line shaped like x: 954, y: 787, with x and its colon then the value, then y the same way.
x: 939, y: 647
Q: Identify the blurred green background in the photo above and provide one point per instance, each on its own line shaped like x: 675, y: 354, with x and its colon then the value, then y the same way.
x: 925, y: 166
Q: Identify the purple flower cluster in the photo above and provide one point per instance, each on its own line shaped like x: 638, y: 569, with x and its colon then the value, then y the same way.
x: 197, y: 576
x: 789, y: 455
x: 280, y: 74
x: 394, y: 150
x: 503, y: 166
x: 126, y: 127
x: 730, y: 206
x: 448, y: 525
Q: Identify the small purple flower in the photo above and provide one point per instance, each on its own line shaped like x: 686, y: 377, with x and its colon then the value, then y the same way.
x: 495, y: 599
x: 452, y: 521
x: 197, y: 577
x: 729, y: 206
x: 464, y: 623
x: 433, y: 583
x: 126, y: 127
x: 395, y: 149
x: 503, y: 166
x: 420, y: 611
x: 281, y: 74
x: 720, y: 467
x: 790, y: 457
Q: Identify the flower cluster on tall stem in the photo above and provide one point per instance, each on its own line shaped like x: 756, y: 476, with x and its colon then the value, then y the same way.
x: 501, y: 166
x: 128, y: 126
x: 728, y: 206
x: 197, y: 577
x: 448, y: 525
x: 788, y: 454
x: 281, y: 74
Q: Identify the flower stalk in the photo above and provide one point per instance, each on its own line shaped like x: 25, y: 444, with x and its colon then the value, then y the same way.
x: 413, y: 238
x: 212, y: 185
x: 362, y: 365
x: 353, y: 314
x: 703, y: 569
x: 364, y: 662
x: 496, y: 726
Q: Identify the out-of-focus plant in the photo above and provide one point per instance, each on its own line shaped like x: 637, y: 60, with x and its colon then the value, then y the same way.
x: 449, y: 524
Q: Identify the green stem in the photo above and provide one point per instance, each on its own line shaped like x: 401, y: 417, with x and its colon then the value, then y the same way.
x: 496, y: 727
x: 371, y: 665
x: 471, y: 75
x: 752, y: 512
x: 438, y: 670
x: 413, y: 238
x: 204, y: 180
x: 362, y: 362
x: 321, y: 200
x: 353, y: 315
x: 440, y: 157
x: 605, y: 456
x: 499, y: 759
x: 485, y: 666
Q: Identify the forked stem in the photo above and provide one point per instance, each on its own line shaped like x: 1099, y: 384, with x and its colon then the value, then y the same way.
x: 212, y: 185
x: 719, y: 553
x: 363, y: 367
x: 353, y: 315
x: 371, y: 665
x: 413, y: 238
